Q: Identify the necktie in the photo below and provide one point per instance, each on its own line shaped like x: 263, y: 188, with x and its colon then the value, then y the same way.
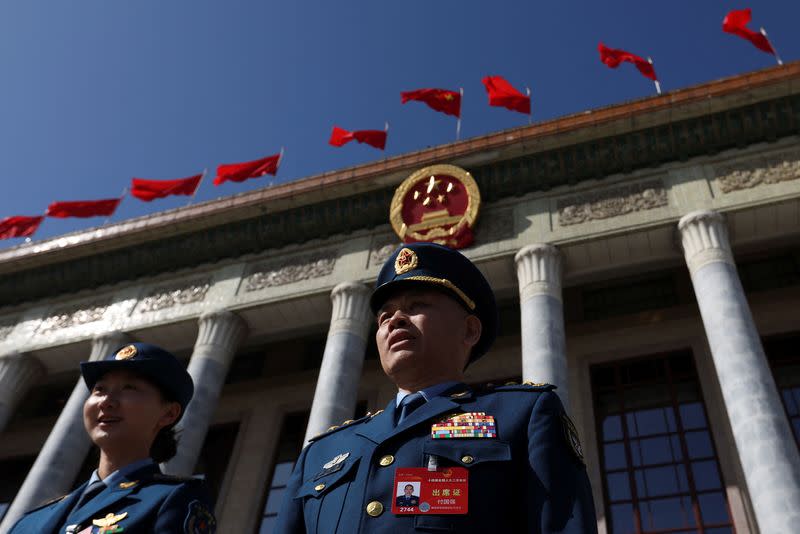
x: 91, y: 492
x: 409, y: 404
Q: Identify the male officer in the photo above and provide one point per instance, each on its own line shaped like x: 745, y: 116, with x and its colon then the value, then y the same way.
x: 506, y: 459
x: 407, y: 498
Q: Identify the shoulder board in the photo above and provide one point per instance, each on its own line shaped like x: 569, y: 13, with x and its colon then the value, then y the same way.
x: 537, y: 387
x: 172, y: 479
x: 345, y: 424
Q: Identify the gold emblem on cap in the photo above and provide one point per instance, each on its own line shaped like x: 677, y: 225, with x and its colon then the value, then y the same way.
x: 126, y: 353
x: 109, y: 520
x: 407, y: 260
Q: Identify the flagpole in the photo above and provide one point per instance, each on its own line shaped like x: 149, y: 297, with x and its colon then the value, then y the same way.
x: 530, y: 113
x: 658, y: 85
x: 460, y: 106
x: 202, y: 177
x: 777, y: 57
x: 124, y: 192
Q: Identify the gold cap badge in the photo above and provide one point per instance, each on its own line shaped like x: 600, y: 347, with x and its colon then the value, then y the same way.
x: 407, y: 260
x: 126, y: 353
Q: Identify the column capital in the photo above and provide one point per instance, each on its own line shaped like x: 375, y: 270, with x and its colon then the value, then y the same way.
x: 17, y: 372
x: 539, y: 271
x: 220, y: 327
x: 351, y: 311
x: 704, y: 238
x: 103, y: 344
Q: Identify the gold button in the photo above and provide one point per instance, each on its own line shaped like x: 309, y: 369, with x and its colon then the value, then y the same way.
x: 386, y: 460
x: 467, y: 459
x: 374, y: 509
x: 319, y: 487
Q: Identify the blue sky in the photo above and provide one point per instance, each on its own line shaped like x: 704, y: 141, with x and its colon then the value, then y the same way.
x: 96, y: 92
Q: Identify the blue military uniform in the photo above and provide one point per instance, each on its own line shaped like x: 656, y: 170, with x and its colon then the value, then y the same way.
x: 526, y: 476
x: 144, y: 501
x: 137, y: 498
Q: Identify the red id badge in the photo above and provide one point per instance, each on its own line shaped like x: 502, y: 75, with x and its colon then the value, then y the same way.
x: 417, y: 490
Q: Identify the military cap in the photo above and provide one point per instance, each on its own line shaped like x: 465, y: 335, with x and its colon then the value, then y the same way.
x: 444, y: 269
x: 149, y: 361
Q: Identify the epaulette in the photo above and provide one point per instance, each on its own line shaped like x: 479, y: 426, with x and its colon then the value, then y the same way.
x: 172, y: 479
x: 344, y: 424
x: 525, y: 386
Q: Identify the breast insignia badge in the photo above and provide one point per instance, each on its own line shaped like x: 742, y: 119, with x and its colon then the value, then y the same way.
x: 436, y: 204
x: 333, y: 466
x: 108, y: 524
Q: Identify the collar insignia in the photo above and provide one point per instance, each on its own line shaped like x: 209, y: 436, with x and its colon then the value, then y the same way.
x: 126, y: 485
x: 407, y: 260
x: 125, y: 353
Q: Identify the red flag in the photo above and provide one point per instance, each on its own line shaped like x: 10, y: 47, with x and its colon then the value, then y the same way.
x: 148, y: 190
x: 19, y: 226
x: 239, y: 172
x: 376, y: 138
x: 84, y: 208
x: 443, y: 100
x: 736, y: 21
x: 503, y: 94
x: 613, y: 57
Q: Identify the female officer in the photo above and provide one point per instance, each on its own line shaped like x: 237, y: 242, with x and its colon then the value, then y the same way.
x: 136, y: 396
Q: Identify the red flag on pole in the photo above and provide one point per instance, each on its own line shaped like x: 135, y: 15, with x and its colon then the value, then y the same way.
x: 613, y: 57
x: 444, y: 100
x: 148, y: 190
x: 84, y: 208
x: 735, y: 23
x: 503, y: 94
x: 375, y: 138
x: 19, y: 226
x: 239, y: 172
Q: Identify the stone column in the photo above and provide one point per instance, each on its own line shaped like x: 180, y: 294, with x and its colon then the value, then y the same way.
x: 18, y: 372
x: 544, y: 356
x: 337, y: 385
x: 54, y: 471
x: 219, y: 336
x: 761, y: 431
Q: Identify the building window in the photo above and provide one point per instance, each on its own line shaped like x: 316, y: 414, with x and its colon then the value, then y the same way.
x: 215, y: 455
x: 290, y: 444
x: 14, y: 471
x: 659, y: 464
x: 784, y: 358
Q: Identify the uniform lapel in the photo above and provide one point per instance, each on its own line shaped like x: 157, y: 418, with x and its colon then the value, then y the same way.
x: 106, y: 498
x: 382, y: 426
x: 61, y: 509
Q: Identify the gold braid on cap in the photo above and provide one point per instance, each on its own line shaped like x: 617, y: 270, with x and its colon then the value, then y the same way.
x: 449, y: 285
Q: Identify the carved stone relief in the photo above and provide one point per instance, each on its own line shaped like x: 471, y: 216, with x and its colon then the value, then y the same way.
x: 381, y: 248
x: 611, y: 202
x: 69, y: 316
x: 271, y: 274
x: 175, y: 294
x: 5, y: 329
x: 780, y: 167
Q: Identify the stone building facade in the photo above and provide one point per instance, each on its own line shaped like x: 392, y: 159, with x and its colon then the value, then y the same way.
x: 646, y: 259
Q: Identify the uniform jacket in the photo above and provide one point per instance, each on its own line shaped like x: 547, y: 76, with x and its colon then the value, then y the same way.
x: 529, y: 479
x: 152, y: 502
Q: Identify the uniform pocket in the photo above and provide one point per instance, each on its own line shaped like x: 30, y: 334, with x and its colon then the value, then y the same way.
x: 469, y: 452
x: 324, y: 496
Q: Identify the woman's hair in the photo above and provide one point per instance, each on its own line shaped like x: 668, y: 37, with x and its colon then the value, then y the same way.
x: 165, y: 445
